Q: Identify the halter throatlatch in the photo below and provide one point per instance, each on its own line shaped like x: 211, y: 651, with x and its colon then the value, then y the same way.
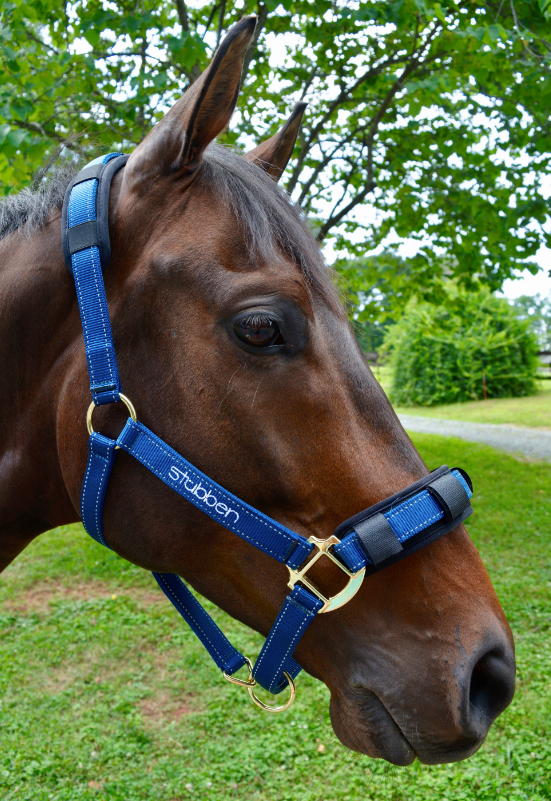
x: 362, y: 545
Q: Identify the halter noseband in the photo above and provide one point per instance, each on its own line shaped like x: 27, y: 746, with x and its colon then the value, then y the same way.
x: 362, y: 545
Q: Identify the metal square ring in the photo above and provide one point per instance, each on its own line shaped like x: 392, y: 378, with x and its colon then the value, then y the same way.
x: 354, y: 579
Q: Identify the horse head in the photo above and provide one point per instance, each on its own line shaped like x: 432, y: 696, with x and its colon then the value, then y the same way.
x: 234, y: 346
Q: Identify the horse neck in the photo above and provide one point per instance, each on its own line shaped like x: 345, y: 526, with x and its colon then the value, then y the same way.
x: 38, y: 328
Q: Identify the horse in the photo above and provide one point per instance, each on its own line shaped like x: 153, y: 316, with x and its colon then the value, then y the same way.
x: 234, y: 344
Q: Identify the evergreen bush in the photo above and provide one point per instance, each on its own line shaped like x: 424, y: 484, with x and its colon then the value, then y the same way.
x: 439, y: 354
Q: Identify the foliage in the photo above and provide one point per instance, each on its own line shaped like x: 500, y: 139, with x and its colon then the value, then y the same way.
x: 537, y: 310
x: 435, y: 114
x: 376, y: 290
x: 114, y: 699
x: 370, y: 335
x: 441, y: 354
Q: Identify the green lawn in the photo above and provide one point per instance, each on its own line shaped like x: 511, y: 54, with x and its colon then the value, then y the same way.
x: 533, y: 411
x: 104, y: 693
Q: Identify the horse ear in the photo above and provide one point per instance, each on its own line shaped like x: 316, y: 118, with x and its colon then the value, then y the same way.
x: 274, y: 154
x: 178, y: 141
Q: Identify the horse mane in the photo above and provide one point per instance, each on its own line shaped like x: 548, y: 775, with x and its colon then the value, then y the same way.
x: 30, y: 208
x: 272, y: 224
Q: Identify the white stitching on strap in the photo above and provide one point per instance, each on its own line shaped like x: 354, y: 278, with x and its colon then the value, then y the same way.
x: 206, y: 636
x: 76, y: 267
x: 419, y: 526
x: 248, y: 537
x: 106, y: 325
x: 287, y: 605
x: 83, y: 495
x: 290, y: 649
x: 99, y: 527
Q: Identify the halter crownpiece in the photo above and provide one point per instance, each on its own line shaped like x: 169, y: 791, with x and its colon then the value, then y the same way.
x: 366, y: 543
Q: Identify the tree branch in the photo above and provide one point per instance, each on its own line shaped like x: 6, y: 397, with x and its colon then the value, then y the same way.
x: 182, y: 15
x: 34, y: 38
x: 63, y: 141
x: 262, y: 17
x: 335, y: 219
x: 342, y: 97
x: 411, y: 67
x: 308, y: 82
x: 220, y: 22
x: 195, y: 71
x: 325, y: 161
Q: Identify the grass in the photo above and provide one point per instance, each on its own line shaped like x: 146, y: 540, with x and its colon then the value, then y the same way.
x: 533, y: 411
x: 104, y: 693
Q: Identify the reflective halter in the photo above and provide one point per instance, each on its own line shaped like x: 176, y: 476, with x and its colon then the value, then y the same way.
x: 363, y: 545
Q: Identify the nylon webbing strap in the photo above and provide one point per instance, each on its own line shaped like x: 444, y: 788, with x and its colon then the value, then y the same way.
x: 276, y: 656
x: 101, y: 456
x: 217, y: 644
x: 85, y: 239
x: 234, y: 514
x: 415, y: 516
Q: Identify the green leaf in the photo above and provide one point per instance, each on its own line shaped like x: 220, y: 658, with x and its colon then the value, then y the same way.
x: 15, y: 137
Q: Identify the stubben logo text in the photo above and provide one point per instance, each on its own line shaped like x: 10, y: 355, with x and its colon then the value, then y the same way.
x: 202, y: 494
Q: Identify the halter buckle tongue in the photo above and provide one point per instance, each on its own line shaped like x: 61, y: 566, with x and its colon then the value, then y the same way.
x: 349, y: 591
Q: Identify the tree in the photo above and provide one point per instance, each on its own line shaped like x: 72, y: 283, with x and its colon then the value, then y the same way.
x: 426, y: 119
x: 376, y: 290
x: 449, y: 353
x: 537, y: 310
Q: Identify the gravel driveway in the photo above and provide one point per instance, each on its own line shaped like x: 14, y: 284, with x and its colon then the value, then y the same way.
x: 532, y: 442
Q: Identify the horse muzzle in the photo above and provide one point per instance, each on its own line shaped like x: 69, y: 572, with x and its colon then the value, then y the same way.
x: 445, y: 719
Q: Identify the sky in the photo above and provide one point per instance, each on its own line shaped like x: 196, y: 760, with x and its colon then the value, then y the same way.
x: 526, y: 284
x: 539, y: 284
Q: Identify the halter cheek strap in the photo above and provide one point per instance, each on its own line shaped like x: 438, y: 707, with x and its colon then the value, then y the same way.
x: 362, y: 545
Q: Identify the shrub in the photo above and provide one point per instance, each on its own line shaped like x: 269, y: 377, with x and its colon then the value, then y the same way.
x: 440, y: 353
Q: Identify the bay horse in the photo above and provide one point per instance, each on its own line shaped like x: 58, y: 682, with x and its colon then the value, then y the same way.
x: 211, y: 268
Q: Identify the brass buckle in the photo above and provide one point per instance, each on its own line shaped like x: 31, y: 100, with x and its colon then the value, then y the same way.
x: 250, y: 684
x: 127, y: 402
x: 342, y: 597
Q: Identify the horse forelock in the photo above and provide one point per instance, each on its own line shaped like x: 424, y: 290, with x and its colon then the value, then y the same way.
x: 271, y: 223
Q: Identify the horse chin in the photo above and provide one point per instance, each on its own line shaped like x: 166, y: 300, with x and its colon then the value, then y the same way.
x: 363, y: 724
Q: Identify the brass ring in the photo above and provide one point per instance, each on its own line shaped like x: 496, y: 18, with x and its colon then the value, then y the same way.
x: 127, y: 402
x: 282, y: 708
x: 250, y: 682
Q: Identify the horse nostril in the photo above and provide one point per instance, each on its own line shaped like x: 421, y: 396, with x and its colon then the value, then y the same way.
x: 492, y: 687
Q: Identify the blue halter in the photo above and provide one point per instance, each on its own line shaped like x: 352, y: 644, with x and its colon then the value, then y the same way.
x: 362, y: 545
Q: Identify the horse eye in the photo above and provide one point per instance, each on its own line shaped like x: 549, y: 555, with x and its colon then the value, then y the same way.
x: 259, y: 332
